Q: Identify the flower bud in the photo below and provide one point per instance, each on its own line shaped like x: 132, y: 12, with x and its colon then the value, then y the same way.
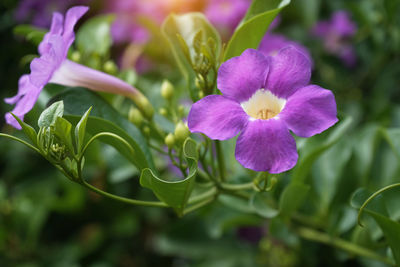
x: 201, y: 94
x: 146, y: 130
x: 76, y: 56
x: 163, y: 112
x: 135, y: 116
x: 143, y: 105
x: 181, y: 132
x: 170, y: 140
x: 167, y: 90
x: 110, y: 67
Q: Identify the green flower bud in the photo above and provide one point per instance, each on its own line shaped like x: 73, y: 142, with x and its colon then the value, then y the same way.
x: 135, y: 116
x: 167, y: 90
x: 146, y: 130
x: 76, y: 56
x: 163, y: 111
x: 143, y: 105
x: 201, y: 94
x: 181, y: 132
x: 170, y: 140
x: 110, y: 67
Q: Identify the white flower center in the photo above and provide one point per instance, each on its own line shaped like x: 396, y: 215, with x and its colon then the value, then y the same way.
x: 263, y: 105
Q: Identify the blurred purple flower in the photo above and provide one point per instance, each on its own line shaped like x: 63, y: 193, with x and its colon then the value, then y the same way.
x: 272, y: 42
x: 336, y: 34
x: 39, y: 12
x: 53, y: 67
x: 263, y: 98
x: 226, y: 14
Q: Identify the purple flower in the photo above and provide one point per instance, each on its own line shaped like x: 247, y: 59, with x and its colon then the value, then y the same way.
x: 53, y: 67
x: 336, y: 34
x: 263, y: 98
x: 226, y: 14
x: 272, y: 42
x: 39, y: 12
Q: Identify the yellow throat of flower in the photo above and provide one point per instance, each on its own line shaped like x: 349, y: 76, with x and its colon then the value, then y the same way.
x: 263, y: 105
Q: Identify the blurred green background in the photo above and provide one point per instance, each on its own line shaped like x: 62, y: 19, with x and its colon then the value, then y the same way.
x: 46, y: 220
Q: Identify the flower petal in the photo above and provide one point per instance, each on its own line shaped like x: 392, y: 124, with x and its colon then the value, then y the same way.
x: 71, y: 18
x: 241, y: 76
x: 55, y: 28
x: 266, y: 145
x: 22, y: 90
x: 290, y: 70
x: 24, y: 104
x: 309, y: 111
x: 217, y: 117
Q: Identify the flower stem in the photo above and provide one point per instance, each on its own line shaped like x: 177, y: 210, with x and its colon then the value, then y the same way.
x: 21, y: 141
x: 236, y: 187
x: 123, y: 199
x: 372, y: 197
x: 221, y: 162
x: 351, y: 248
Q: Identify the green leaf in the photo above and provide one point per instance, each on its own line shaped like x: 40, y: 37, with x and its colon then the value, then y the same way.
x: 292, y: 197
x: 260, y: 201
x: 252, y: 29
x: 392, y: 136
x: 361, y: 195
x: 105, y: 118
x: 80, y: 131
x: 31, y: 33
x: 28, y: 130
x: 313, y: 147
x: 391, y: 230
x: 50, y: 114
x: 62, y: 129
x: 174, y: 193
x: 184, y: 34
x: 94, y: 36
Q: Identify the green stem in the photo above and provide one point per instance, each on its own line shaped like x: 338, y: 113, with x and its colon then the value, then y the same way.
x: 200, y: 204
x: 21, y: 141
x: 372, y: 197
x: 123, y: 199
x: 105, y: 134
x: 351, y: 248
x: 221, y: 162
x: 210, y: 193
x: 236, y: 187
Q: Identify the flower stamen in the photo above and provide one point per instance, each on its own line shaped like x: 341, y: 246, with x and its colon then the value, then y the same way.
x: 263, y: 105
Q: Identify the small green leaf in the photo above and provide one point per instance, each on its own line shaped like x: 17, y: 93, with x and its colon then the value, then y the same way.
x: 253, y: 27
x: 28, y: 130
x: 292, y: 197
x: 62, y: 129
x: 80, y: 131
x: 94, y: 36
x: 174, y: 193
x: 105, y: 118
x: 261, y: 205
x: 50, y: 114
x: 391, y: 230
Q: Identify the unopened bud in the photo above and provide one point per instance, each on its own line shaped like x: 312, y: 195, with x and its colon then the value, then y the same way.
x: 135, y: 116
x: 143, y: 105
x: 181, y: 132
x: 201, y: 94
x: 167, y: 90
x: 146, y: 130
x: 76, y: 56
x: 110, y: 67
x: 199, y: 82
x: 163, y: 112
x: 170, y: 140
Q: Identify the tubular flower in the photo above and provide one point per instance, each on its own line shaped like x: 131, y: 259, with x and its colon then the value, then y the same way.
x: 53, y: 67
x: 263, y: 98
x: 273, y: 42
x: 336, y: 34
